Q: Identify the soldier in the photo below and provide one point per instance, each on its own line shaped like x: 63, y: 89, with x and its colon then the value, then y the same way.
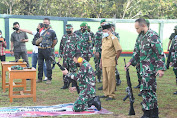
x: 172, y: 36
x: 174, y: 57
x: 149, y: 53
x: 85, y: 42
x: 49, y: 40
x: 97, y: 57
x: 68, y: 48
x: 111, y: 51
x: 138, y: 64
x: 118, y: 81
x: 86, y: 79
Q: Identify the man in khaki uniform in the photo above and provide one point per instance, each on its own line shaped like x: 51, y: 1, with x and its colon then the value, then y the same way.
x: 111, y: 51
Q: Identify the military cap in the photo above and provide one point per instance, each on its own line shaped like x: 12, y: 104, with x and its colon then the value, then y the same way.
x: 88, y: 27
x: 106, y: 26
x: 99, y: 27
x: 68, y: 26
x: 103, y: 20
x: 175, y: 27
x: 148, y: 23
x: 83, y: 24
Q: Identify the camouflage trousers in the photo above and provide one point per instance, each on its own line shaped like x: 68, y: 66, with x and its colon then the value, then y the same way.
x: 81, y: 104
x: 116, y: 71
x: 175, y: 69
x: 138, y: 73
x: 98, y: 70
x: 148, y: 90
x: 69, y: 64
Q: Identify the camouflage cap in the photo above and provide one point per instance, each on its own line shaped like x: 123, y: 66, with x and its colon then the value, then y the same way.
x: 83, y: 24
x: 175, y: 27
x: 88, y: 27
x: 103, y: 20
x: 69, y: 26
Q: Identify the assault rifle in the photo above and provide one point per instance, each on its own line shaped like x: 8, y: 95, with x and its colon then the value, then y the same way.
x: 69, y: 79
x: 129, y: 92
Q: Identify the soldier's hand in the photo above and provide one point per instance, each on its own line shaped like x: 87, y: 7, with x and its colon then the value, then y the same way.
x: 97, y: 55
x: 65, y: 72
x: 59, y: 59
x: 72, y: 89
x: 160, y: 73
x: 127, y: 65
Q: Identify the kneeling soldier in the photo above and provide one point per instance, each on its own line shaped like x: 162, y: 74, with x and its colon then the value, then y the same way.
x: 86, y: 79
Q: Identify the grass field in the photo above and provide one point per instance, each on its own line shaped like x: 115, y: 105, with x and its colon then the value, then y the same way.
x: 53, y: 95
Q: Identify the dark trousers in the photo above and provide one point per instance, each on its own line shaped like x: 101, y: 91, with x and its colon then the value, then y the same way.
x: 3, y: 58
x: 44, y: 54
x: 24, y: 56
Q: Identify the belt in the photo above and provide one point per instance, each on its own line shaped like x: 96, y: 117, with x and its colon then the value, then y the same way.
x: 43, y: 47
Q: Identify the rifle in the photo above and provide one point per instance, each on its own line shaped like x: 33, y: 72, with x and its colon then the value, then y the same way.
x: 129, y: 92
x: 69, y: 79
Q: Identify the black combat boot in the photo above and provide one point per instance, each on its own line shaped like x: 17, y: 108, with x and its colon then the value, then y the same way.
x: 65, y: 85
x: 100, y: 88
x: 146, y: 114
x: 175, y: 93
x: 155, y: 113
x: 138, y: 86
x: 118, y: 80
x: 96, y: 102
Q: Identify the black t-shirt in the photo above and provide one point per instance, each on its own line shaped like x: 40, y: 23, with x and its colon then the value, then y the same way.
x: 172, y: 36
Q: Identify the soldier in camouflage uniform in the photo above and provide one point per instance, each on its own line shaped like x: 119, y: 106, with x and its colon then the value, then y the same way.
x: 97, y: 57
x: 87, y: 82
x: 68, y: 47
x: 149, y: 53
x: 174, y: 57
x: 85, y: 42
x: 118, y: 81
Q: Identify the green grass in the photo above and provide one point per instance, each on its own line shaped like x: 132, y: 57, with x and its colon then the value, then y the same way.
x: 53, y: 95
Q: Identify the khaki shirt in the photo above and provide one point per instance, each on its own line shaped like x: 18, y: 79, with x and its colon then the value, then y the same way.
x: 110, y: 46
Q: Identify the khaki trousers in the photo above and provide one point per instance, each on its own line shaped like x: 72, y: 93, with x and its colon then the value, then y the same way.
x: 109, y: 81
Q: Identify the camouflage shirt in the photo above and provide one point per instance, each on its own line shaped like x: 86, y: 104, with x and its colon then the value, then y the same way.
x: 69, y: 45
x: 174, y: 50
x: 86, y: 78
x: 98, y: 41
x: 149, y: 53
x: 85, y: 43
x: 117, y: 35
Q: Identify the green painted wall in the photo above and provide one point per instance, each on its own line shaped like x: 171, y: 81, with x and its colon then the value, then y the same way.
x: 30, y: 24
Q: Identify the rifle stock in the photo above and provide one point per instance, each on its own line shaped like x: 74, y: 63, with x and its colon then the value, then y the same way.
x: 129, y: 92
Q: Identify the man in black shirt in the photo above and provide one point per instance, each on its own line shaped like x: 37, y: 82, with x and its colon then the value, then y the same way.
x: 48, y: 42
x: 169, y: 49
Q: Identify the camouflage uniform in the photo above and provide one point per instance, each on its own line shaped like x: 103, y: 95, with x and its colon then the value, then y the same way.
x: 137, y: 63
x: 85, y: 44
x: 68, y: 47
x: 174, y: 55
x: 86, y: 79
x: 97, y: 44
x: 149, y: 52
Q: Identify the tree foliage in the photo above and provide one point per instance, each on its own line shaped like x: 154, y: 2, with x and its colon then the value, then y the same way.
x: 123, y: 9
